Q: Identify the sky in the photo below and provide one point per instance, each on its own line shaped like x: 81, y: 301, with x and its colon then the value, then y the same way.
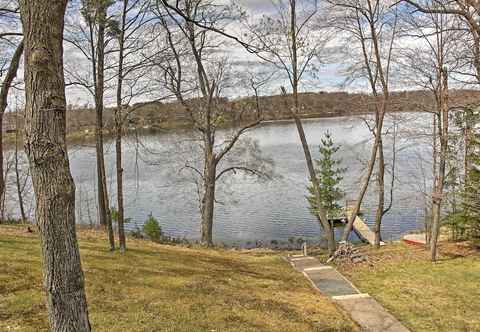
x: 328, y: 76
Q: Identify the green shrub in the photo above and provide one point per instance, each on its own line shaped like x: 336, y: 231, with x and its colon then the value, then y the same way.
x: 152, y: 229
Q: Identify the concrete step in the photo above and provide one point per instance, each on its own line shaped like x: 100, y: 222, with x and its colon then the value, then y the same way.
x: 330, y: 282
x: 369, y: 314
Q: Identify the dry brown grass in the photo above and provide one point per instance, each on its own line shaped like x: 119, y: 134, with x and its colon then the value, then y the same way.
x: 166, y: 288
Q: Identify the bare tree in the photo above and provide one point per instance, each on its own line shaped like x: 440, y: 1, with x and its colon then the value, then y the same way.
x: 45, y: 146
x: 118, y: 127
x: 257, y: 81
x: 469, y: 12
x: 438, y: 193
x: 440, y: 35
x: 207, y: 79
x: 132, y: 30
x: 88, y: 37
x: 286, y: 42
x: 8, y: 12
x: 289, y: 41
x: 98, y: 69
x: 372, y: 26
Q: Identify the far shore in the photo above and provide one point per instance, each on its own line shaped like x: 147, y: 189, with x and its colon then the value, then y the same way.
x: 149, y: 117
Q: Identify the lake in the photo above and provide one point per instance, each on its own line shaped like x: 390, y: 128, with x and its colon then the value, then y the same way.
x: 249, y: 209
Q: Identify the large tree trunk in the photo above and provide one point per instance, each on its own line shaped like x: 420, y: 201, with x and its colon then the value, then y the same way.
x: 328, y: 235
x: 208, y: 201
x: 103, y: 201
x: 45, y: 146
x: 7, y: 83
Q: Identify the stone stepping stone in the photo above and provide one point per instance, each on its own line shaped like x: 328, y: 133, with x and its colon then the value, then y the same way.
x: 369, y: 314
x: 330, y: 282
x: 303, y: 263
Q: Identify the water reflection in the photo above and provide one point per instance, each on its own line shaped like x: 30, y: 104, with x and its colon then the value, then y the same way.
x: 273, y: 209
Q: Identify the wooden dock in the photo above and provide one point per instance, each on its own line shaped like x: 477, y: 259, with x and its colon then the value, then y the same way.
x: 364, y: 232
x: 360, y: 228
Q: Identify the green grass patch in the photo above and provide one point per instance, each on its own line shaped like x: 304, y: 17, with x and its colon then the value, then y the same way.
x: 156, y: 287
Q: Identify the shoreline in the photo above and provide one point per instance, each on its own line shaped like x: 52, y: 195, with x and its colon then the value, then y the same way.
x: 87, y: 134
x: 80, y: 123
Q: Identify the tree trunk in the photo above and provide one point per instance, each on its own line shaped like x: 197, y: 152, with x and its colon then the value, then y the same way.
x: 356, y: 209
x: 328, y: 235
x: 17, y: 172
x: 118, y: 133
x: 119, y: 170
x: 6, y: 84
x: 103, y: 201
x: 436, y: 212
x: 2, y: 179
x: 371, y: 165
x: 208, y: 202
x: 301, y: 133
x: 429, y: 221
x: 380, y: 108
x: 3, y: 198
x: 381, y: 195
x: 45, y: 146
x: 322, y: 216
x: 438, y: 195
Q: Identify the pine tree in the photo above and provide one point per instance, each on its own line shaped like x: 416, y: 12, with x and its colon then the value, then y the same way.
x: 330, y: 176
x: 471, y: 194
x: 463, y: 219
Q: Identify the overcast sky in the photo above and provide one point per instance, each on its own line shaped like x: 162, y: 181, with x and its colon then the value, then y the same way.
x: 327, y: 77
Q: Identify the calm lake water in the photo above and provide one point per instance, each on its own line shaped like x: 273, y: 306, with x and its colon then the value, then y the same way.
x: 251, y: 210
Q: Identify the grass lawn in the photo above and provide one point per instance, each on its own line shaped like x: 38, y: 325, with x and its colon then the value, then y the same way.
x: 425, y: 296
x: 167, y: 288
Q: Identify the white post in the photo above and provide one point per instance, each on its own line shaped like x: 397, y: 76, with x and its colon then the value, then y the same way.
x: 304, y: 246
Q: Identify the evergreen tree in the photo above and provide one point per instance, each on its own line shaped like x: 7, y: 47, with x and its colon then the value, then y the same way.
x: 471, y: 194
x: 464, y: 219
x: 330, y: 176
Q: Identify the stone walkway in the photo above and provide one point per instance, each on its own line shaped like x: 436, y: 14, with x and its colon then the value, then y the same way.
x: 362, y: 308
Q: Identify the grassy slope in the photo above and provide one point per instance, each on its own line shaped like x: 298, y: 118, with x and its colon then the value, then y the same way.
x: 165, y: 288
x: 444, y: 296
